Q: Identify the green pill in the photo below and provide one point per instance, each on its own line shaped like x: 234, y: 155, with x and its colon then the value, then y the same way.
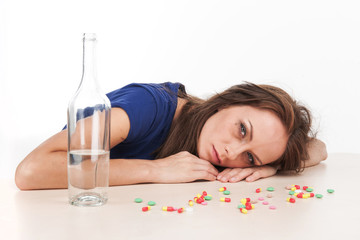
x: 318, y: 195
x: 226, y: 192
x: 270, y: 189
x: 207, y: 198
x: 241, y: 206
x: 291, y: 193
x: 309, y: 189
x: 151, y: 203
x: 138, y: 200
x: 330, y: 190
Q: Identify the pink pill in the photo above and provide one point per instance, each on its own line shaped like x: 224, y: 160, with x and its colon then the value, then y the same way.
x: 204, y: 203
x: 261, y: 199
x: 265, y: 203
x: 272, y: 207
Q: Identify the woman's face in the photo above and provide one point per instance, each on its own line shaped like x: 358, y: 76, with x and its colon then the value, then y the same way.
x: 242, y: 136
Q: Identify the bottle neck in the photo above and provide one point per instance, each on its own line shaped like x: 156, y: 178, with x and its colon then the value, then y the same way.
x: 89, y: 77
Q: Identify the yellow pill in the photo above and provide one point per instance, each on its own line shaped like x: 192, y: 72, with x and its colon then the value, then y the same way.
x: 191, y: 203
x: 243, y: 201
x: 198, y: 195
x: 293, y: 188
x: 243, y: 210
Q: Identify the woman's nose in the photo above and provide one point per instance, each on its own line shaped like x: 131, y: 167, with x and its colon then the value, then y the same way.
x: 233, y: 151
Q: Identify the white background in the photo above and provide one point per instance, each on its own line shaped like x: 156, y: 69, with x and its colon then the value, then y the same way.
x: 309, y: 48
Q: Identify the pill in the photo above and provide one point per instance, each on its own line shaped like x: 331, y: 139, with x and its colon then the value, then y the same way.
x: 292, y: 200
x: 198, y: 195
x: 305, y: 187
x: 291, y: 192
x: 258, y: 190
x: 330, y: 190
x: 293, y: 189
x: 243, y: 210
x: 145, y: 209
x: 243, y: 201
x: 288, y: 187
x: 138, y: 200
x: 200, y: 200
x: 180, y: 210
x: 168, y: 209
x: 269, y: 195
x: 309, y: 189
x: 241, y: 206
x: 151, y: 203
x: 189, y: 209
x: 297, y: 186
x: 270, y: 189
x: 191, y: 203
x: 207, y: 198
x: 261, y: 199
x: 319, y: 195
x: 225, y: 199
x: 272, y: 207
x: 312, y: 194
x: 265, y: 203
x: 222, y: 189
x: 204, y: 193
x: 204, y: 203
x: 254, y: 201
x: 226, y: 192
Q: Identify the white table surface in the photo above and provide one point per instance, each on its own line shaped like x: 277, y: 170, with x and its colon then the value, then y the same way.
x: 46, y: 214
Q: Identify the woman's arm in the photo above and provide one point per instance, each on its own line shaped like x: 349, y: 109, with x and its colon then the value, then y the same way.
x: 316, y: 150
x: 46, y: 166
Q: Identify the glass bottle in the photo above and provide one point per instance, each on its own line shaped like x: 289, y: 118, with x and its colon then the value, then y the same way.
x: 88, y: 135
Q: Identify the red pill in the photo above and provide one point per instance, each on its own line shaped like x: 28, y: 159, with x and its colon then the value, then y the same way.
x: 297, y: 186
x: 180, y: 210
x: 312, y: 194
x: 145, y: 209
x: 292, y: 200
x: 258, y: 190
x: 305, y: 187
x: 225, y: 199
x: 168, y: 209
x: 204, y: 193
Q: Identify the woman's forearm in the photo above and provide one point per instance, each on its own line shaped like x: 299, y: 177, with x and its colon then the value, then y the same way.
x: 317, y: 152
x: 49, y: 171
x: 131, y: 171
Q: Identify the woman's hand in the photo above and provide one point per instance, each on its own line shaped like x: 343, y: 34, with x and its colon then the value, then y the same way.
x: 250, y: 174
x: 183, y: 167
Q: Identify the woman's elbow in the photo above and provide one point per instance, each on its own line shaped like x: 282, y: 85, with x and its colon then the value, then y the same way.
x: 25, y: 175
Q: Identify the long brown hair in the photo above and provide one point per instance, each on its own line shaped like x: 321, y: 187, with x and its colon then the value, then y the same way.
x: 185, y: 130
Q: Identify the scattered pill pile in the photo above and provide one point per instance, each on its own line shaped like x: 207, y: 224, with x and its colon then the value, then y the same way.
x: 246, y: 204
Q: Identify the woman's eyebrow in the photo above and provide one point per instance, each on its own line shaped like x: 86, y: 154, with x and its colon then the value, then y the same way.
x: 251, y: 136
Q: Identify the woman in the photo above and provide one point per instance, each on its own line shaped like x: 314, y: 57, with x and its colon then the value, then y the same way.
x: 250, y: 130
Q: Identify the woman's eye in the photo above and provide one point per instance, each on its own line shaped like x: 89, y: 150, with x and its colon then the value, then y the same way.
x: 251, y: 158
x: 243, y: 130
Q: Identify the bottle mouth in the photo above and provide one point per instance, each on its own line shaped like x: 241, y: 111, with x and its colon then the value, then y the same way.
x: 89, y: 36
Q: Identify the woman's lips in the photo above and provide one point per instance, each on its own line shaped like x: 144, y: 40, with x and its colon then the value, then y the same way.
x: 216, y: 156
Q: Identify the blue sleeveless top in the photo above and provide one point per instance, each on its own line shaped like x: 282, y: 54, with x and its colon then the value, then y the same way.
x: 151, y: 109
